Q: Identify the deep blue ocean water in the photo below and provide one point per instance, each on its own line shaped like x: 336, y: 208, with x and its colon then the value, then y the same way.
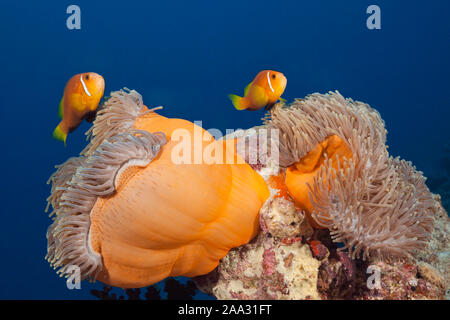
x: 187, y: 56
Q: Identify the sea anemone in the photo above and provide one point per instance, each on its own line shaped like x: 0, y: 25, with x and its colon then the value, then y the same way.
x: 339, y: 171
x: 129, y: 216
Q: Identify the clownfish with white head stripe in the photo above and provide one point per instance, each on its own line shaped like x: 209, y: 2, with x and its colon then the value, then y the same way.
x: 264, y: 91
x: 80, y: 100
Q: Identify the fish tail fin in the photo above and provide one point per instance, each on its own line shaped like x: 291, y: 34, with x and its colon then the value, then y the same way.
x: 60, y: 134
x: 238, y: 102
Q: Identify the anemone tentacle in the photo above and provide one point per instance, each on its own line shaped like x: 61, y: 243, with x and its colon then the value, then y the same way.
x: 116, y: 115
x: 96, y: 176
x: 373, y: 203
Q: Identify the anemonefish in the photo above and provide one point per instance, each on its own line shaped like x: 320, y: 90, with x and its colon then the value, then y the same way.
x: 80, y: 100
x: 263, y: 91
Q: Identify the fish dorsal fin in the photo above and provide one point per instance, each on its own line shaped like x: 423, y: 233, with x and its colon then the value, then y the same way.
x: 61, y: 109
x: 247, y: 88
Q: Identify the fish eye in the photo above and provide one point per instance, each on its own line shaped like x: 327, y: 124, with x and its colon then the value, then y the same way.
x: 273, y: 76
x: 86, y: 77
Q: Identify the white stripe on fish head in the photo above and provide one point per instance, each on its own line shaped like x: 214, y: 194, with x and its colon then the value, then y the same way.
x: 270, y: 84
x: 84, y: 86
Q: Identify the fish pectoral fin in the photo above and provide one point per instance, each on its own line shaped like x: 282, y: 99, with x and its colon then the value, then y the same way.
x: 282, y: 100
x: 61, y: 109
x: 247, y: 88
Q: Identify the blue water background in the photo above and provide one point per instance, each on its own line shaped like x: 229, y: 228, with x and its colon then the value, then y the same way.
x: 187, y: 56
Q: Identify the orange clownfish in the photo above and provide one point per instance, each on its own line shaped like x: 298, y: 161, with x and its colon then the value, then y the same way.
x: 80, y: 100
x: 263, y: 91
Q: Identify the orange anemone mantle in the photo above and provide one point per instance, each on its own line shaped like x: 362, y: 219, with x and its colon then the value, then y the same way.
x: 171, y: 219
x: 302, y: 173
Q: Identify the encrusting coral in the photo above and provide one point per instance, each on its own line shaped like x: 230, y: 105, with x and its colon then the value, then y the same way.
x: 129, y: 216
